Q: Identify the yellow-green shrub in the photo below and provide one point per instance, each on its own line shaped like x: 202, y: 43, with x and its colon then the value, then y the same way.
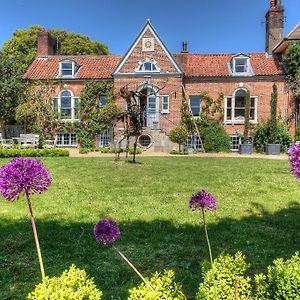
x: 164, y: 285
x: 73, y: 284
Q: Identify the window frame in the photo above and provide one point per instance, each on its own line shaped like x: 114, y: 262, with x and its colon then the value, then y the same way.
x: 165, y: 110
x: 74, y: 108
x: 200, y: 105
x: 74, y: 68
x: 101, y: 105
x: 232, y: 119
x: 62, y: 134
x: 140, y: 69
x: 233, y: 66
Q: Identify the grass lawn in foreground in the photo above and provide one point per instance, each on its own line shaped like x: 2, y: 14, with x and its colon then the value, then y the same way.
x: 259, y: 213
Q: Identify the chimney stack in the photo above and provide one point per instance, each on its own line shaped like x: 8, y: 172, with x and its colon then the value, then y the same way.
x: 274, y: 25
x: 184, y: 47
x: 47, y: 44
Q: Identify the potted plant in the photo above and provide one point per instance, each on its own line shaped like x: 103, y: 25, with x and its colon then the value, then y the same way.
x: 246, y: 147
x: 272, y: 147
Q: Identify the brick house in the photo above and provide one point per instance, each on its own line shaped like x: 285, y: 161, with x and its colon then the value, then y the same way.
x: 148, y: 65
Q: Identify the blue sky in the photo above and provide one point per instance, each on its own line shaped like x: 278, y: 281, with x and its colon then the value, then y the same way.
x: 209, y: 26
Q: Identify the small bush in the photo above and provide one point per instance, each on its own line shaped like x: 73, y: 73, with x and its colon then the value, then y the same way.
x: 214, y: 136
x: 281, y: 282
x: 137, y: 151
x: 178, y: 135
x: 177, y: 152
x: 72, y: 284
x: 33, y: 152
x: 84, y: 150
x: 219, y: 282
x: 261, y: 137
x: 164, y: 285
x: 104, y: 150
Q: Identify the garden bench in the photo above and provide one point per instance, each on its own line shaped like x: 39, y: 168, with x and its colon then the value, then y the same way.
x: 6, y: 143
x: 28, y: 140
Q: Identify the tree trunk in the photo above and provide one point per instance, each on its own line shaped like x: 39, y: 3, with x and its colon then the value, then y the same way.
x: 134, y: 148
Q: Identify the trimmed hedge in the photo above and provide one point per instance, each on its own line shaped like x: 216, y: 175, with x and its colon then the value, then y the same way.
x: 4, y: 152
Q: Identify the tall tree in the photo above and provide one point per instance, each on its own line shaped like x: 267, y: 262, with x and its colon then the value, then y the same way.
x: 11, y: 89
x: 292, y: 58
x: 22, y: 47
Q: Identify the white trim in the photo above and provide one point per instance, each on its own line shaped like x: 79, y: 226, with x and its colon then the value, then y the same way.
x: 232, y: 65
x: 165, y: 111
x: 74, y: 68
x: 147, y: 60
x: 148, y: 26
x: 232, y: 121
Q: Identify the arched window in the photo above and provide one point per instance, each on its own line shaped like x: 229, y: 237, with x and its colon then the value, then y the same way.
x: 235, y: 107
x: 66, y: 105
x: 147, y: 65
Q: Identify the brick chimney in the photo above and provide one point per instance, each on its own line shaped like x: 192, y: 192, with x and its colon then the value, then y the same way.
x: 47, y: 44
x: 274, y: 25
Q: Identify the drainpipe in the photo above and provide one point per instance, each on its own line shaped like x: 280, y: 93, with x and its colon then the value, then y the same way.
x: 287, y: 89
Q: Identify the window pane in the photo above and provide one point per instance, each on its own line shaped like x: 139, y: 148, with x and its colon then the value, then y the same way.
x: 228, y: 116
x: 252, y: 114
x: 240, y: 65
x: 66, y: 113
x: 66, y: 66
x: 165, y: 103
x: 103, y: 101
x: 147, y: 66
x: 195, y: 105
x: 252, y: 102
x: 66, y: 72
x: 240, y: 93
x: 239, y: 114
x: 55, y: 104
x: 229, y: 102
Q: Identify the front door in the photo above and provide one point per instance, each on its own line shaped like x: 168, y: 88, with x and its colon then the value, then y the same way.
x: 152, y: 116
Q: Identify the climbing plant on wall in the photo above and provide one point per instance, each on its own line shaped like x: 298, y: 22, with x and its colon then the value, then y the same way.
x: 95, y: 119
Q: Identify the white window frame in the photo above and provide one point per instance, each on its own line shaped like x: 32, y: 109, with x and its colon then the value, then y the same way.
x: 232, y: 120
x: 200, y: 105
x: 141, y: 65
x: 73, y: 107
x: 165, y: 110
x: 233, y: 65
x: 70, y: 138
x: 74, y: 68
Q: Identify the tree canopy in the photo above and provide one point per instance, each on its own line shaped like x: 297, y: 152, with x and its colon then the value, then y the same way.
x: 22, y: 47
x: 292, y: 59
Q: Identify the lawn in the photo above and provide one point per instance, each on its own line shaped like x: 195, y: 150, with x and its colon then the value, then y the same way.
x: 258, y: 213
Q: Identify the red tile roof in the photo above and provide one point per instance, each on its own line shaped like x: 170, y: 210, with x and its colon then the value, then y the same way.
x: 193, y: 65
x: 91, y: 67
x: 216, y: 65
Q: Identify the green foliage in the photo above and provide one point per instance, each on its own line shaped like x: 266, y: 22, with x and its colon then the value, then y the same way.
x: 261, y: 137
x: 4, y: 152
x: 73, y: 284
x: 164, y: 285
x: 22, y: 47
x: 273, y: 118
x: 178, y: 135
x: 282, y: 280
x: 226, y: 275
x: 247, y: 117
x: 177, y: 152
x: 211, y: 109
x: 11, y: 88
x: 186, y: 116
x: 93, y: 121
x: 214, y: 136
x: 137, y: 151
x: 292, y: 59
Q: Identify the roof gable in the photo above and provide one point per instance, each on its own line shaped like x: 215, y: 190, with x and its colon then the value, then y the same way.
x: 159, y: 52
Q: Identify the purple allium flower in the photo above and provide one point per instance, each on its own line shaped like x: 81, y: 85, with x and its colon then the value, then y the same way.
x: 294, y: 153
x: 106, y: 231
x: 203, y: 200
x: 23, y: 175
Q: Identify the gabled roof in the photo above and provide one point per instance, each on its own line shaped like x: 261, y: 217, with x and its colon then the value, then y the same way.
x: 216, y: 65
x: 90, y: 67
x: 148, y: 26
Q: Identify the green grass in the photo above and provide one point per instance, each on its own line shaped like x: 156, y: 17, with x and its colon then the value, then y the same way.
x: 259, y: 213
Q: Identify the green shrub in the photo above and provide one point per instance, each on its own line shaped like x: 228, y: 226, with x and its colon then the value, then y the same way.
x: 178, y: 135
x: 72, y: 284
x: 261, y: 137
x: 104, y: 150
x: 177, y: 152
x: 281, y: 282
x: 219, y: 282
x: 137, y: 151
x: 84, y: 150
x: 164, y: 285
x: 4, y: 152
x: 214, y: 136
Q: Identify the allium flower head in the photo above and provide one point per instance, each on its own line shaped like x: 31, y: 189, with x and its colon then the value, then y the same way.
x: 203, y: 200
x: 23, y: 175
x: 106, y: 231
x: 294, y: 153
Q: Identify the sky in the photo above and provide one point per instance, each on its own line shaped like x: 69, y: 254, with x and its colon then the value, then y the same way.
x: 209, y: 26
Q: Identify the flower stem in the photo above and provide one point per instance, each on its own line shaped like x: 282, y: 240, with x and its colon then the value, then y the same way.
x: 134, y: 268
x: 207, y: 238
x: 35, y: 236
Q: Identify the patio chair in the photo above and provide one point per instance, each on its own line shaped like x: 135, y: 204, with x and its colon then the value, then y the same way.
x: 49, y: 144
x: 6, y: 143
x: 29, y: 140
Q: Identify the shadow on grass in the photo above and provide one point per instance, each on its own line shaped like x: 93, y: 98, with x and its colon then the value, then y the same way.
x: 150, y: 246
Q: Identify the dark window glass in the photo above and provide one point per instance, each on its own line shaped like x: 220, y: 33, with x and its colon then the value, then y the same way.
x: 103, y: 101
x: 66, y: 105
x: 195, y: 102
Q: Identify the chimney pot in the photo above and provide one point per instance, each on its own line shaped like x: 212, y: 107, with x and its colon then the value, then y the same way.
x: 184, y: 47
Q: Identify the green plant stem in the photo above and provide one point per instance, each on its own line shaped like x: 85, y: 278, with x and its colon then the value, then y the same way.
x: 35, y: 237
x: 134, y: 268
x: 207, y: 238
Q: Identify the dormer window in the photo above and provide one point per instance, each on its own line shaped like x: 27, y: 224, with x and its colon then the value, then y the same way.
x: 147, y: 65
x: 240, y: 66
x: 68, y: 68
